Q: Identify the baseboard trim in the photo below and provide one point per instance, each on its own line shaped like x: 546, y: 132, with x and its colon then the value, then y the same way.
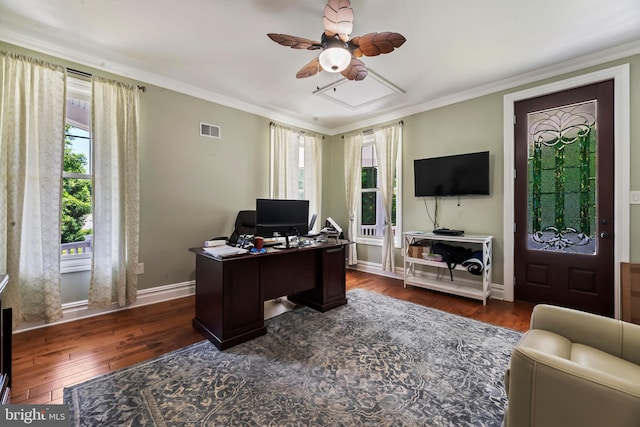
x: 80, y: 309
x: 374, y: 268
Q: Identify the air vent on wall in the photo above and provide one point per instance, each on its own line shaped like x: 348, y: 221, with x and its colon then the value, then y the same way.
x: 212, y: 131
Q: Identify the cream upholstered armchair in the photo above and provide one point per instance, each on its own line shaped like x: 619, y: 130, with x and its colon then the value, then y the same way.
x: 574, y: 369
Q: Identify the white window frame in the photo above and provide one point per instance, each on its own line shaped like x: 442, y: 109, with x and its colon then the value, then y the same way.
x: 301, y: 168
x: 368, y: 140
x: 302, y: 192
x: 78, y: 89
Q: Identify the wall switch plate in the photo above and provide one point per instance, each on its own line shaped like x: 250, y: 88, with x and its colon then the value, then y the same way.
x: 634, y: 198
x: 140, y: 268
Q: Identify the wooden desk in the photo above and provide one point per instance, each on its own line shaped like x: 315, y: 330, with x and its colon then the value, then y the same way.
x: 230, y: 292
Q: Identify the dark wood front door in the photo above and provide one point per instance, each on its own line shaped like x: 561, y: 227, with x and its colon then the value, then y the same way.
x: 564, y: 199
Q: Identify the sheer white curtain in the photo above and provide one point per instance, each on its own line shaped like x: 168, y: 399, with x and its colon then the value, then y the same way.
x: 352, y: 182
x: 387, y: 142
x: 115, y: 121
x: 285, y: 160
x: 313, y: 175
x: 32, y: 121
x: 285, y: 166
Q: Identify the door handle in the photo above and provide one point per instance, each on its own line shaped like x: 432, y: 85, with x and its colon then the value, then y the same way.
x: 604, y: 235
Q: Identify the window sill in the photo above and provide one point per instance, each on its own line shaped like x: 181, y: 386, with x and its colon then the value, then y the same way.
x: 75, y: 263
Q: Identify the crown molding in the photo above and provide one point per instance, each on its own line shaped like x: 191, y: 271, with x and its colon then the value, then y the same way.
x: 72, y: 54
x: 576, y: 64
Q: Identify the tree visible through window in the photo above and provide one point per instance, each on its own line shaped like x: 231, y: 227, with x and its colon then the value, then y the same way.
x: 369, y: 186
x: 371, y: 207
x: 76, y: 219
x: 76, y: 188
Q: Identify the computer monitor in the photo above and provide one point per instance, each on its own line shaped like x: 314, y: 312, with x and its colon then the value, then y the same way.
x: 282, y: 217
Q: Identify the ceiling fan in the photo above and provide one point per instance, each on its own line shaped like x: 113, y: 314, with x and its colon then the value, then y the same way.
x: 339, y: 52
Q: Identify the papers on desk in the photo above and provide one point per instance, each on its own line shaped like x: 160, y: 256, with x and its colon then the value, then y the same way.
x: 212, y: 243
x: 224, y: 251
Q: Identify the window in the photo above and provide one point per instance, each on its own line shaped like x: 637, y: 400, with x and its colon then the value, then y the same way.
x: 296, y: 167
x: 76, y: 219
x: 300, y: 195
x: 310, y: 177
x: 371, y: 209
x: 562, y: 158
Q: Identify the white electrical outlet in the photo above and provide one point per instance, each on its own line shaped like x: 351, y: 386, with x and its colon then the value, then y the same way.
x: 634, y: 198
x: 140, y: 268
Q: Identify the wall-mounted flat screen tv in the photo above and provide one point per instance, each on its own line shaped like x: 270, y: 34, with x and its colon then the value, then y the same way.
x: 458, y: 175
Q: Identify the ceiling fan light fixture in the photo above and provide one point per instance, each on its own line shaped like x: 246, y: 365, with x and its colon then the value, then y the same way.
x: 339, y: 51
x: 335, y: 59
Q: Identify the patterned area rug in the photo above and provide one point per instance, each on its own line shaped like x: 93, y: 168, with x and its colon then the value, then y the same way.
x: 376, y: 361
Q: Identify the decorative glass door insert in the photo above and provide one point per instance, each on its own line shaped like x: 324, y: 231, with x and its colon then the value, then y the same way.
x: 561, y: 167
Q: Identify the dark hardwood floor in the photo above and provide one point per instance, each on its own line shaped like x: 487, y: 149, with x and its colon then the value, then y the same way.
x: 48, y: 359
x: 509, y: 315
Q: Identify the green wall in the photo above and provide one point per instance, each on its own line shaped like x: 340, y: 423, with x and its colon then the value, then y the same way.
x: 473, y: 125
x: 470, y: 126
x: 191, y: 187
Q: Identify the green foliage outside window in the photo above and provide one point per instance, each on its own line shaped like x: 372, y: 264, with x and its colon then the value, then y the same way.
x: 393, y: 210
x: 369, y: 198
x: 76, y: 195
x: 369, y: 181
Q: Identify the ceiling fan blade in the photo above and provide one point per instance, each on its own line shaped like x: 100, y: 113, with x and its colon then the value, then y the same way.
x: 311, y: 69
x: 356, y: 70
x: 294, y: 42
x: 374, y: 44
x: 338, y: 19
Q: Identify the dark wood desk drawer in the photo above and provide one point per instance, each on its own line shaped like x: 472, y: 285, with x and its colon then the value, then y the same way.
x: 230, y: 292
x: 289, y: 274
x: 331, y: 290
x: 228, y: 298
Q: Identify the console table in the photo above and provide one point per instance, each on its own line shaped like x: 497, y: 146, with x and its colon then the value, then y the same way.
x: 416, y: 268
x: 230, y: 292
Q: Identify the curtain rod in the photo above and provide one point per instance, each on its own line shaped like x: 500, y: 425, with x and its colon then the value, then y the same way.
x: 368, y: 131
x: 300, y: 132
x: 89, y: 75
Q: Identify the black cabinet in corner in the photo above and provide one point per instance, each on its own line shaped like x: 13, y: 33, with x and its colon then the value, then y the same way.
x: 6, y: 331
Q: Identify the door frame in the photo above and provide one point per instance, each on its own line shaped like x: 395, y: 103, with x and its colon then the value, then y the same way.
x: 620, y: 75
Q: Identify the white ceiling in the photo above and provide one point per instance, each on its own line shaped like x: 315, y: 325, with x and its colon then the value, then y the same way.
x: 218, y: 49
